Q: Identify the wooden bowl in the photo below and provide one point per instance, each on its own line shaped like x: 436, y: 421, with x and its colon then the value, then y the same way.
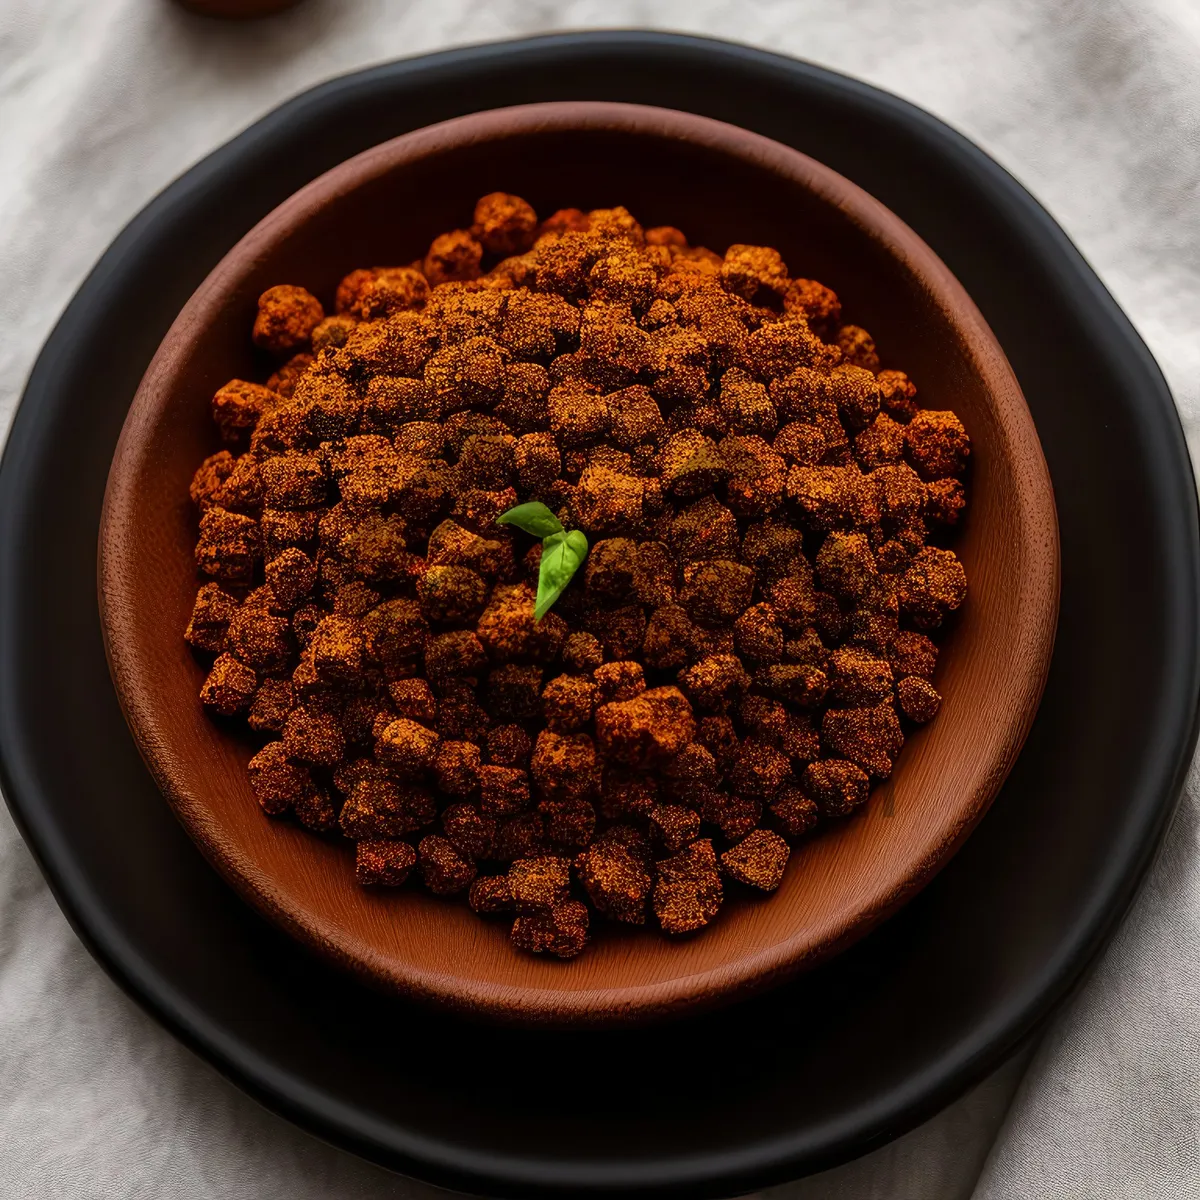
x: 719, y: 184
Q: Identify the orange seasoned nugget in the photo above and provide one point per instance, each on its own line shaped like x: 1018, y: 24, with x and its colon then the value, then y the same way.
x: 209, y: 622
x: 230, y: 686
x: 351, y: 287
x: 647, y: 730
x: 489, y: 894
x: 716, y: 591
x: 945, y: 500
x: 259, y: 639
x: 857, y: 677
x: 509, y: 746
x: 390, y: 291
x: 933, y: 586
x: 562, y: 931
x: 754, y: 272
x: 919, y: 699
x: 673, y: 826
x: 278, y: 782
x: 454, y: 595
x: 537, y: 884
x: 229, y: 546
x: 283, y: 382
x: 313, y: 736
x: 564, y: 766
x: 687, y: 891
x: 833, y: 497
x: 880, y: 444
x: 896, y: 395
x: 565, y: 220
x: 444, y: 869
x: 794, y: 812
x: 836, y: 785
x: 513, y: 692
x: 407, y: 748
x: 567, y: 702
x: 470, y: 831
x: 238, y: 405
x: 608, y: 501
x: 868, y: 736
x: 758, y: 860
x: 538, y: 462
x: 329, y: 335
x: 616, y: 881
x: 815, y: 302
x: 287, y: 316
x: 937, y: 444
x: 380, y: 807
x: 620, y: 680
x: 504, y: 224
x: 858, y: 347
x: 452, y: 256
x: 846, y: 564
x: 209, y: 478
x: 715, y: 682
x: 383, y: 862
x: 271, y: 706
x: 456, y: 767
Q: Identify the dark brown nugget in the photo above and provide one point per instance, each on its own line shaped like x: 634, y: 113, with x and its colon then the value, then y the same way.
x: 648, y: 730
x: 444, y: 869
x: 562, y: 931
x: 688, y: 890
x: 758, y: 860
x: 383, y: 862
x: 616, y: 881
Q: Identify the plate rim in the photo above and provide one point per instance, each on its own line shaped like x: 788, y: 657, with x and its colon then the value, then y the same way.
x: 926, y: 1092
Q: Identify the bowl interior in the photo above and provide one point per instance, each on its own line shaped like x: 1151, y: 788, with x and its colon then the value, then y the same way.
x: 719, y: 185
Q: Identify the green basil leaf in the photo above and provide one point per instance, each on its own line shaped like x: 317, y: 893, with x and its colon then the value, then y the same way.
x: 562, y: 556
x: 534, y: 518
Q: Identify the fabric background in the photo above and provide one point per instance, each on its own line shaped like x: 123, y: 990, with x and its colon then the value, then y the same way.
x: 1094, y: 105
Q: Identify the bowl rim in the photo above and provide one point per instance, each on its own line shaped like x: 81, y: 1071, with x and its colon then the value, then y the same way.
x: 750, y: 972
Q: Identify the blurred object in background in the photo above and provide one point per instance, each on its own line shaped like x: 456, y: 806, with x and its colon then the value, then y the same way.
x: 237, y: 9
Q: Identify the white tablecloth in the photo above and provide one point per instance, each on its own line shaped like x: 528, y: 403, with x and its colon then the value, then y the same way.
x: 1095, y: 105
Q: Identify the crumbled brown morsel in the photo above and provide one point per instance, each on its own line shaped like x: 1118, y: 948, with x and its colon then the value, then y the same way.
x: 230, y: 686
x: 615, y: 877
x: 444, y: 868
x: 561, y: 931
x: 384, y: 862
x: 504, y: 224
x: 937, y: 444
x: 673, y: 826
x: 758, y: 860
x: 283, y: 381
x: 838, y: 787
x: 687, y: 892
x: 286, y: 318
x: 452, y: 257
x: 768, y: 512
x: 538, y: 884
x: 490, y: 894
x: 618, y: 681
x: 794, y: 812
x: 919, y: 699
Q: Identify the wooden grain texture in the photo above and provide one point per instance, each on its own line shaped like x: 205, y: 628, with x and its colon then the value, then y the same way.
x: 720, y: 184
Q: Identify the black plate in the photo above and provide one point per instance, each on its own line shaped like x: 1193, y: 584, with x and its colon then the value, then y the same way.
x: 818, y: 1071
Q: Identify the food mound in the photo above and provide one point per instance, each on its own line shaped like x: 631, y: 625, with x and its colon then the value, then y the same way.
x: 733, y: 663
